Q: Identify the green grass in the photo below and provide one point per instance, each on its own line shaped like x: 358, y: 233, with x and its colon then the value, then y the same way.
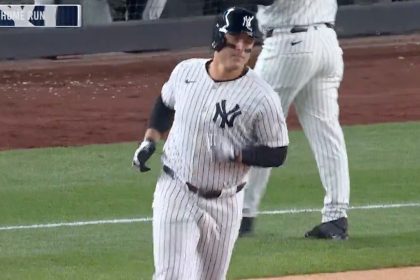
x: 379, y: 238
x: 96, y: 182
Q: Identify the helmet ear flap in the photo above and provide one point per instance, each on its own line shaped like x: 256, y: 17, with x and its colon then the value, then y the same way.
x: 218, y: 41
x: 218, y: 36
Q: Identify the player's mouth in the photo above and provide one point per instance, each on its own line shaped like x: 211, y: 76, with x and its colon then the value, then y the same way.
x: 238, y: 57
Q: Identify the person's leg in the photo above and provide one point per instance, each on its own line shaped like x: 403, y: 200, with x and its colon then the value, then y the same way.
x: 219, y: 230
x: 287, y: 69
x: 175, y: 231
x: 153, y: 9
x: 318, y: 111
x: 257, y: 180
x: 318, y: 115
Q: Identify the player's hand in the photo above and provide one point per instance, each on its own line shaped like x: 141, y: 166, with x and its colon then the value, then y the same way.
x: 142, y: 154
x: 220, y: 148
x: 223, y: 153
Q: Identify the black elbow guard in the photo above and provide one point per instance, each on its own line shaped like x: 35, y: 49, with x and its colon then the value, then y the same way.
x: 161, y: 117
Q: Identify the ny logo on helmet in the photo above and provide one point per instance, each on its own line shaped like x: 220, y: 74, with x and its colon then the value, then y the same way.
x: 247, y: 22
x: 227, y: 116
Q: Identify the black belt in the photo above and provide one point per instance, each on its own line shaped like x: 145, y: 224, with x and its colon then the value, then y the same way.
x: 297, y: 29
x: 198, y: 191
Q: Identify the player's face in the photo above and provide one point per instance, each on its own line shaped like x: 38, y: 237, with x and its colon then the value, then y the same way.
x: 237, y: 51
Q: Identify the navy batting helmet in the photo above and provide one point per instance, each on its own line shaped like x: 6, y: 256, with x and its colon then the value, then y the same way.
x: 234, y: 21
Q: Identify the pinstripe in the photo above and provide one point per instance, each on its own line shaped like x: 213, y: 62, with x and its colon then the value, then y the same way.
x: 208, y: 169
x: 218, y: 255
x: 190, y: 129
x: 307, y: 74
x: 202, y: 156
x: 296, y: 12
x: 178, y: 236
x: 175, y: 260
x: 164, y: 216
x: 191, y: 118
x: 210, y: 261
x: 264, y: 126
x: 193, y: 236
x: 207, y: 252
x: 217, y: 252
x: 208, y: 249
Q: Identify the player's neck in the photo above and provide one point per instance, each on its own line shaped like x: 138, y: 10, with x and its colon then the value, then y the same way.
x: 219, y: 72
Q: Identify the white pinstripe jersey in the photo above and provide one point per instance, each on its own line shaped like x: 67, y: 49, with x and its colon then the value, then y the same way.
x: 288, y: 13
x: 253, y: 116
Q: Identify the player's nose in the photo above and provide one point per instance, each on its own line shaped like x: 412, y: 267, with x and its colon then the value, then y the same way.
x: 240, y: 45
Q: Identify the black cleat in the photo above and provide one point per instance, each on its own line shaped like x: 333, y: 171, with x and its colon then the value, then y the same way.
x: 247, y: 226
x: 336, y: 229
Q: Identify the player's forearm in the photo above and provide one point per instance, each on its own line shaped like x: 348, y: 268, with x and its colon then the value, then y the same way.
x: 263, y: 156
x: 152, y: 135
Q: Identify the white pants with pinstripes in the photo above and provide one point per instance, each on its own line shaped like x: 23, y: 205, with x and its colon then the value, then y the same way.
x: 193, y: 237
x: 308, y: 73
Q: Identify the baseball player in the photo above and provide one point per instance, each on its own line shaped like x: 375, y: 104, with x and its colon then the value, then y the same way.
x: 302, y: 60
x: 225, y: 119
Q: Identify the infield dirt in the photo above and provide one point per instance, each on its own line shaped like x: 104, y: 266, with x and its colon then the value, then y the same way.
x: 107, y: 98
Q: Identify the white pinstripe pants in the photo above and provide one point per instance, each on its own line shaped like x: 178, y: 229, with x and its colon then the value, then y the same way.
x: 193, y: 237
x: 308, y: 74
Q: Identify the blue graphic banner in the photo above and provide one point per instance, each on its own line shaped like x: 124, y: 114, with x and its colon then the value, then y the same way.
x: 40, y: 16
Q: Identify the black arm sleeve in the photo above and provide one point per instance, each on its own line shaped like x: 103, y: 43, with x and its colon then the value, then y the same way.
x: 264, y: 156
x: 161, y: 117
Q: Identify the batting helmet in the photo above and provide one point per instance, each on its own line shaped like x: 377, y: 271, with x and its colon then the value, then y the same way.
x: 234, y: 21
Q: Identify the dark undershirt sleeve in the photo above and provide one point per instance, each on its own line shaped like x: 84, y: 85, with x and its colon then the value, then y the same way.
x: 161, y: 117
x: 264, y: 156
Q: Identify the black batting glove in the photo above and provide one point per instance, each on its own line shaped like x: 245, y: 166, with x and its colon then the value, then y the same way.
x: 142, y: 154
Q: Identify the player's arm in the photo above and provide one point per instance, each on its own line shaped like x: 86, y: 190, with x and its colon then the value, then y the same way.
x: 262, y: 156
x: 160, y: 121
x: 271, y: 134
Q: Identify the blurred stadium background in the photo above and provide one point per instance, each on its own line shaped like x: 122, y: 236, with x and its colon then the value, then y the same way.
x: 147, y: 25
x: 124, y: 10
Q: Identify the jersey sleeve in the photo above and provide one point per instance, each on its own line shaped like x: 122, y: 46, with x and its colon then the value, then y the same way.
x: 169, y: 88
x: 270, y: 126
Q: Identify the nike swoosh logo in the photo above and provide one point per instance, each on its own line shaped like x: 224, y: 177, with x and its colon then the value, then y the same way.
x: 189, y: 81
x: 295, y: 42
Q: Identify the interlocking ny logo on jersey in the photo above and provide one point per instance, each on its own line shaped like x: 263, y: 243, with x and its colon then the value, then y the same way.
x: 227, y: 117
x: 247, y: 22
